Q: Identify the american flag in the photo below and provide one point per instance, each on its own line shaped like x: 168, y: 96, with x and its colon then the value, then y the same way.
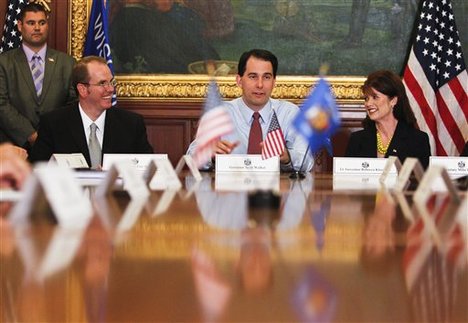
x: 11, y: 36
x: 436, y: 79
x: 215, y: 123
x: 273, y: 145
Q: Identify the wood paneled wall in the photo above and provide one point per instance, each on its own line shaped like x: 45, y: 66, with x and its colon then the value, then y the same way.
x: 172, y: 125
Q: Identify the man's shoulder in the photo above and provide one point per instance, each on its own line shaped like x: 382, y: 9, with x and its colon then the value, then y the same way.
x: 60, y: 56
x: 60, y: 113
x: 123, y: 113
x: 12, y: 54
x: 278, y: 104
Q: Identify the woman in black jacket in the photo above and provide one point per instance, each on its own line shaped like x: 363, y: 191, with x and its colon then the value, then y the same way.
x: 390, y: 126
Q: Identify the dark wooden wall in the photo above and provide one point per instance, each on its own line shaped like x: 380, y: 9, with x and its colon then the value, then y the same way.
x: 172, y: 125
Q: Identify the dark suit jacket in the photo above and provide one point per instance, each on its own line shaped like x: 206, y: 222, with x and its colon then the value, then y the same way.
x: 20, y: 108
x: 406, y: 142
x: 61, y: 131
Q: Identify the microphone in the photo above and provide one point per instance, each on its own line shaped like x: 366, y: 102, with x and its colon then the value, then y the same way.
x: 299, y: 174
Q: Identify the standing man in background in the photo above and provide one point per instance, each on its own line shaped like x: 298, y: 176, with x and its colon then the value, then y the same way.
x: 34, y: 79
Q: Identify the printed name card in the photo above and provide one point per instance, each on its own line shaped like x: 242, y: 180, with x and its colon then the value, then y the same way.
x: 161, y: 175
x: 456, y: 166
x: 69, y: 160
x: 410, y: 166
x: 139, y: 161
x: 71, y: 207
x: 188, y: 160
x: 132, y: 179
x: 246, y: 163
x: 361, y: 166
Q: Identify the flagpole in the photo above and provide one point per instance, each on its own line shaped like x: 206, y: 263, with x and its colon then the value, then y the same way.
x: 299, y: 174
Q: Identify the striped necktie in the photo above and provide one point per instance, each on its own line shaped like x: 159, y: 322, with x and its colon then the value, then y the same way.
x: 37, y: 71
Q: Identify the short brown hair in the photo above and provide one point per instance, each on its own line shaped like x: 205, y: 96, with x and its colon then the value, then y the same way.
x: 32, y: 7
x: 80, y: 72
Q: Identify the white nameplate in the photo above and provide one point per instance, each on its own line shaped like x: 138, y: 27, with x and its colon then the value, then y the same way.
x: 247, y: 182
x: 71, y: 207
x: 188, y: 160
x: 132, y: 180
x: 456, y: 166
x: 246, y: 163
x: 139, y: 161
x: 411, y: 165
x: 360, y: 166
x: 161, y: 175
x: 69, y: 160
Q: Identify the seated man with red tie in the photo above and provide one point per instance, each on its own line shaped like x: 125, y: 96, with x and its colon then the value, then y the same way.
x: 252, y: 113
x: 91, y: 126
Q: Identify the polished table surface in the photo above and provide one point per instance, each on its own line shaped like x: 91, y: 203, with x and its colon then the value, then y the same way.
x: 307, y: 254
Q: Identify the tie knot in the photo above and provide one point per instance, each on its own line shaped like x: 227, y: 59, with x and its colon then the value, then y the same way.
x: 93, y: 127
x: 37, y: 58
x: 256, y: 115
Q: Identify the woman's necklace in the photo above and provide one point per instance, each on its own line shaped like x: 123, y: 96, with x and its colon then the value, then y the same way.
x: 381, y: 148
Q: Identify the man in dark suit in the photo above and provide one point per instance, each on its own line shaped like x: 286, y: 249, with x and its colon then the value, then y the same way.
x: 24, y: 97
x: 70, y: 130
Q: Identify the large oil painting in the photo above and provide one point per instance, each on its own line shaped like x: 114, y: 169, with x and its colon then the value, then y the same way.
x: 189, y: 37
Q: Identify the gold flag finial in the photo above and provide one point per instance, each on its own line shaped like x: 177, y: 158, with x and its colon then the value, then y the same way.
x: 44, y: 3
x: 324, y: 69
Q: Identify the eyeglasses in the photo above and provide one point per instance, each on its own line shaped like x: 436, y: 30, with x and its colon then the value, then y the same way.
x: 112, y: 83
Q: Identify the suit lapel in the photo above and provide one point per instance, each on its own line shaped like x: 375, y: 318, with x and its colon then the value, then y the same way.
x: 370, y: 143
x: 108, y: 133
x: 401, y: 132
x: 49, y: 70
x: 76, y: 126
x: 25, y: 70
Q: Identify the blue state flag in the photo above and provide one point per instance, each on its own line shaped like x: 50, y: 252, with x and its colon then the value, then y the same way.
x: 318, y: 118
x: 97, y: 37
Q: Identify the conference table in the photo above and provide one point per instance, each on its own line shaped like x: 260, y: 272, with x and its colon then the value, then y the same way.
x: 303, y: 252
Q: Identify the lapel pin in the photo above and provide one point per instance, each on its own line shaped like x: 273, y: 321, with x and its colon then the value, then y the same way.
x: 51, y: 59
x: 394, y: 150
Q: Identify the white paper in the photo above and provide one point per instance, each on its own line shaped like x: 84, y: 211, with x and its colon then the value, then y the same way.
x: 8, y: 195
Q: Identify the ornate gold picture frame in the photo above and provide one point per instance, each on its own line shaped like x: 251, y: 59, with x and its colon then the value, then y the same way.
x: 192, y: 87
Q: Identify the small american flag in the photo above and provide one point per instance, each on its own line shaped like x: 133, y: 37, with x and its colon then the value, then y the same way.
x: 273, y: 145
x: 215, y: 123
x: 436, y: 79
x: 11, y: 36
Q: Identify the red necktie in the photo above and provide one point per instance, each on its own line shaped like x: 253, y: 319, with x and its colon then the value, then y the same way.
x: 255, y: 136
